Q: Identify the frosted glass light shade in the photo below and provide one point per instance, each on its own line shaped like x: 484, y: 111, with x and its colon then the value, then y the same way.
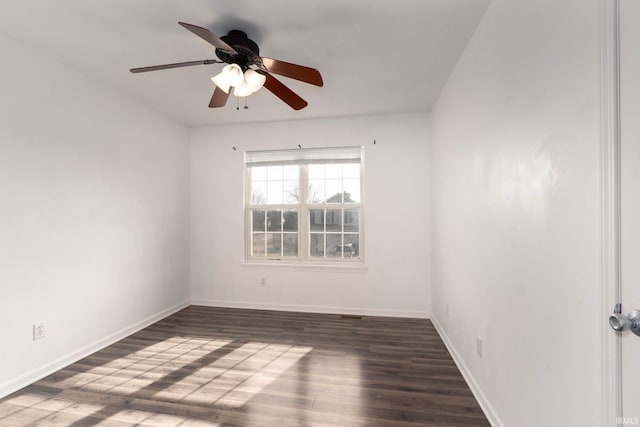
x: 241, y: 91
x: 230, y: 76
x: 254, y: 80
x: 252, y: 83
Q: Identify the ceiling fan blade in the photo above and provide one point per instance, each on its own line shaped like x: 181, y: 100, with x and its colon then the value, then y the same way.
x: 284, y: 93
x: 176, y: 65
x: 219, y: 98
x: 294, y: 71
x: 209, y: 37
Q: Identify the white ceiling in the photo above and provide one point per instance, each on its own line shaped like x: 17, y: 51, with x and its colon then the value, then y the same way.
x: 375, y: 56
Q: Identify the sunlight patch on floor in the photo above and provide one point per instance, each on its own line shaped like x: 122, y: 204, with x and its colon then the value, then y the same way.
x: 135, y: 371
x: 161, y: 371
x: 68, y: 408
x: 58, y: 409
x: 243, y: 373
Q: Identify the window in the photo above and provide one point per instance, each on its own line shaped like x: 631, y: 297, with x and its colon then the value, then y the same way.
x: 304, y: 205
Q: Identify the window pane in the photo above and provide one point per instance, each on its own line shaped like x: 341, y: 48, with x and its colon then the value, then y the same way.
x: 351, y: 222
x: 290, y: 220
x: 351, y: 247
x: 334, y: 220
x: 273, y: 244
x: 351, y: 170
x: 316, y: 245
x: 274, y: 220
x: 351, y: 190
x: 274, y: 173
x: 316, y: 191
x: 259, y: 173
x: 316, y: 172
x: 257, y: 219
x: 258, y: 193
x: 334, y: 245
x: 316, y: 219
x: 291, y: 192
x: 333, y: 171
x: 290, y: 172
x: 274, y: 192
x: 257, y: 244
x: 334, y: 190
x: 290, y: 244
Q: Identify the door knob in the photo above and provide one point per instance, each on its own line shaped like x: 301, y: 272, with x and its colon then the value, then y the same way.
x: 619, y: 322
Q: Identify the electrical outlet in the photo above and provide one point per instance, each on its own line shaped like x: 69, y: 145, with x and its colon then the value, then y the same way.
x: 39, y: 330
x: 479, y: 346
x: 263, y: 281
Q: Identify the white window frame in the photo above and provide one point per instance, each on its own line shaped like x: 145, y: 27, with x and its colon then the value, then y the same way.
x: 304, y: 208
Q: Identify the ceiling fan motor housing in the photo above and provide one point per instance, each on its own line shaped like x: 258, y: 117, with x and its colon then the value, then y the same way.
x: 248, y: 50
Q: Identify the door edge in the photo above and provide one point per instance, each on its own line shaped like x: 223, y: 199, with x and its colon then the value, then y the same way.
x: 611, y: 377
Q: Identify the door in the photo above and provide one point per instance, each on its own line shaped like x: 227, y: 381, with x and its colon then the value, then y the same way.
x: 630, y: 202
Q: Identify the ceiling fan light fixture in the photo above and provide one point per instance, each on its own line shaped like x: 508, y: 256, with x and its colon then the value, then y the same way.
x: 252, y: 83
x: 230, y: 76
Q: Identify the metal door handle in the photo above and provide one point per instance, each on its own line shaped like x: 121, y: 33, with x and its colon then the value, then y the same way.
x: 619, y: 322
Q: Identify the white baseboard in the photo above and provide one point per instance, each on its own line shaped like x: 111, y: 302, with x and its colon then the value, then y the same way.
x: 313, y: 309
x: 488, y: 410
x: 41, y: 372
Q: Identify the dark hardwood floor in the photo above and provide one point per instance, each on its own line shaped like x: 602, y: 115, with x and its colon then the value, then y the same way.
x: 213, y: 366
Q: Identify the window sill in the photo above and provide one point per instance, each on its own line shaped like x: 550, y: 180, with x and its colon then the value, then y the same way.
x: 293, y: 265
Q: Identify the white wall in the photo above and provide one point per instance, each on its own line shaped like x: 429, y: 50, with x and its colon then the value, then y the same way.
x: 516, y: 214
x: 396, y: 219
x: 93, y: 215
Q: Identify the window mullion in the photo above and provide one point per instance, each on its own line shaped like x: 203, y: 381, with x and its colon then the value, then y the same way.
x: 342, y: 233
x: 324, y: 232
x: 274, y: 207
x: 282, y: 229
x: 264, y: 230
x: 303, y: 213
x: 248, y: 220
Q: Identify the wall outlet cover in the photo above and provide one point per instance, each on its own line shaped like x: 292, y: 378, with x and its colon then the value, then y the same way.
x: 39, y: 330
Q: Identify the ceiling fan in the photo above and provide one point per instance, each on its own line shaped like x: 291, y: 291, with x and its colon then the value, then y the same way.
x: 246, y: 71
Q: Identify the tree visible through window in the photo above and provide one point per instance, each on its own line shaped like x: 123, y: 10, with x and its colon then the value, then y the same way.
x: 305, y: 206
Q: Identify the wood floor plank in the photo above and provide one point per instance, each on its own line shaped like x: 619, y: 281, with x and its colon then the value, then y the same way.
x: 207, y: 366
